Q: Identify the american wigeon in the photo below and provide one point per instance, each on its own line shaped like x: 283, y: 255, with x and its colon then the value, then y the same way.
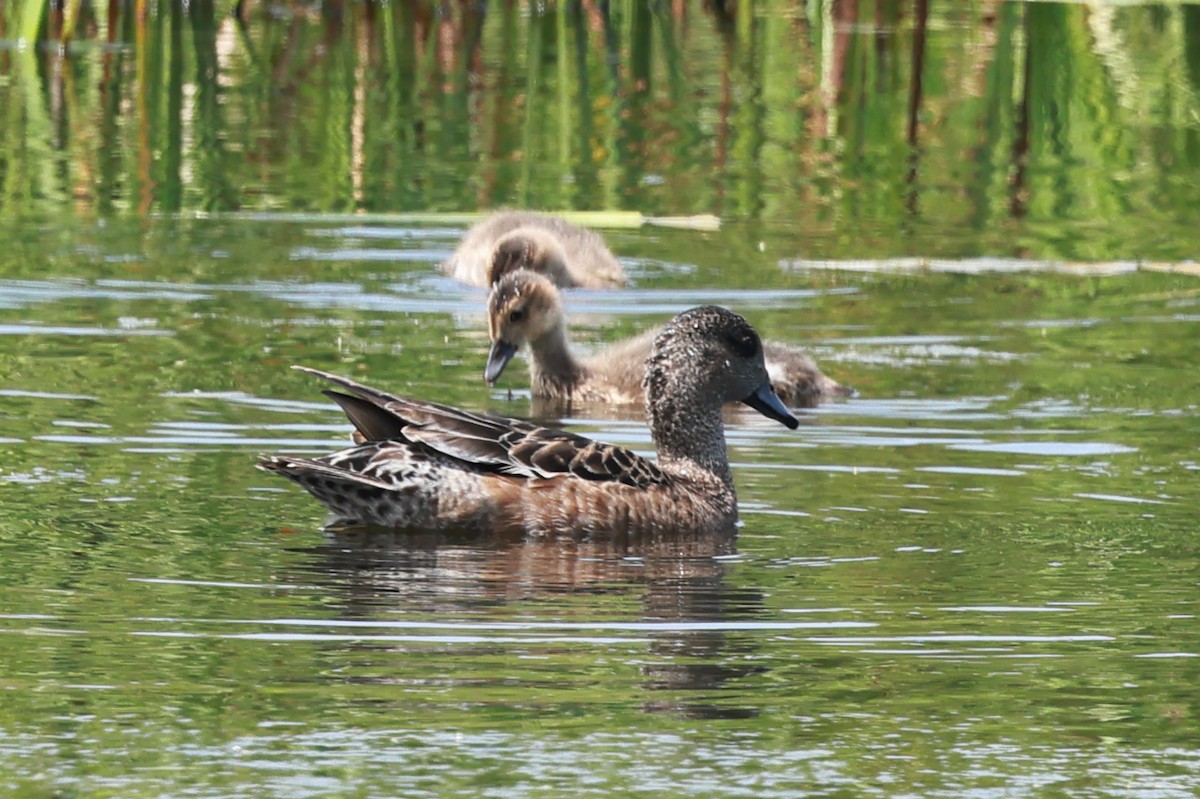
x: 568, y: 255
x: 432, y: 467
x: 525, y: 308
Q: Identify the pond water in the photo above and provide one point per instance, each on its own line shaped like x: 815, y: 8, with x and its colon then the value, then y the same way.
x: 979, y: 577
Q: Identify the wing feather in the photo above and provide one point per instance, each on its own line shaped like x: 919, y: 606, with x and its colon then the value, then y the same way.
x: 487, y: 443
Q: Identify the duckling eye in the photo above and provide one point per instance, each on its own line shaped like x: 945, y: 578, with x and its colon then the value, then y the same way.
x: 516, y: 316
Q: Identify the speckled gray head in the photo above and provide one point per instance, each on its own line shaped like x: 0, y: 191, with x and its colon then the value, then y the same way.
x: 711, y: 355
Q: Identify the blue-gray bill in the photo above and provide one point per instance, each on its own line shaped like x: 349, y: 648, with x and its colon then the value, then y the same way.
x: 498, y: 357
x: 767, y: 402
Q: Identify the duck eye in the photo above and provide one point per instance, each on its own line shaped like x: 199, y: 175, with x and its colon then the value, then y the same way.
x: 516, y: 316
x: 744, y: 344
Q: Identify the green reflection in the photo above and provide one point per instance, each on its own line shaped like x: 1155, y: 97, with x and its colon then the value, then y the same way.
x: 1065, y: 129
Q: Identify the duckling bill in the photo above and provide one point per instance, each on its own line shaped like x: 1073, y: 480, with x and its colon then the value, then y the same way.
x: 500, y: 353
x: 427, y: 466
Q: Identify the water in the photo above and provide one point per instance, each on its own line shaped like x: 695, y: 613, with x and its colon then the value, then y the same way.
x: 978, y: 578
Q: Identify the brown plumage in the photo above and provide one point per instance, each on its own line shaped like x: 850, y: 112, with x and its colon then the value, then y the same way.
x: 526, y: 309
x: 432, y: 467
x: 568, y: 255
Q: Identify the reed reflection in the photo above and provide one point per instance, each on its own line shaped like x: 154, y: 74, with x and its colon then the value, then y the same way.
x: 902, y: 116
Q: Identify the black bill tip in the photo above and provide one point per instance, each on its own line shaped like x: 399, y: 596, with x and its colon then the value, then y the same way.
x: 767, y: 402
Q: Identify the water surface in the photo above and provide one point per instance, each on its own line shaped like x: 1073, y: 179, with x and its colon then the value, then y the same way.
x: 978, y: 578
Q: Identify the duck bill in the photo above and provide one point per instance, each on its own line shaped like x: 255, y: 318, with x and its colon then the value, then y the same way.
x: 767, y: 402
x: 498, y: 357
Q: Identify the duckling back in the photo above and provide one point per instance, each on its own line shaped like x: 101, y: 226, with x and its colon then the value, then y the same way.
x: 569, y: 255
x: 798, y: 380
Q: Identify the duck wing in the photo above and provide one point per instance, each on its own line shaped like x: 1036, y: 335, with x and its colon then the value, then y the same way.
x: 484, y: 442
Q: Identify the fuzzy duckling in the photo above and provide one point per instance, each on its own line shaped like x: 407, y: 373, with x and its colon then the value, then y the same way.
x: 568, y: 255
x: 526, y: 308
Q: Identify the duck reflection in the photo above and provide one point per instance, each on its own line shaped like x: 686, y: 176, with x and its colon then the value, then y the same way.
x: 679, y: 582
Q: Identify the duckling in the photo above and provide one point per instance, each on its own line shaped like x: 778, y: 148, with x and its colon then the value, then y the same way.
x: 525, y: 308
x: 427, y: 466
x: 568, y: 255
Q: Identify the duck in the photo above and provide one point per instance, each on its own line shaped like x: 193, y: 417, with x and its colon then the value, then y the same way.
x: 422, y: 465
x: 568, y: 255
x: 524, y: 308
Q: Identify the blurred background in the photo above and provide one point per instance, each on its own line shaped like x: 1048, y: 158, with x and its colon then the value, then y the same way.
x: 1052, y: 130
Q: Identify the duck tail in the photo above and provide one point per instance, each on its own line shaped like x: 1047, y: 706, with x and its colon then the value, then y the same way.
x: 353, y: 497
x: 308, y: 468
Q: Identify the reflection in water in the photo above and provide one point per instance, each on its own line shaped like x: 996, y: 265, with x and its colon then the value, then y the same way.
x: 679, y: 583
x: 947, y: 125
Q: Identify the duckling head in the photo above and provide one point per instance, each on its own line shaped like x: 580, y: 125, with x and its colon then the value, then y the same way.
x: 532, y: 249
x: 523, y: 308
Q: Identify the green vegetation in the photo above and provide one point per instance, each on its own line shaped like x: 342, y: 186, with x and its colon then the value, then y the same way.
x: 1055, y: 131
